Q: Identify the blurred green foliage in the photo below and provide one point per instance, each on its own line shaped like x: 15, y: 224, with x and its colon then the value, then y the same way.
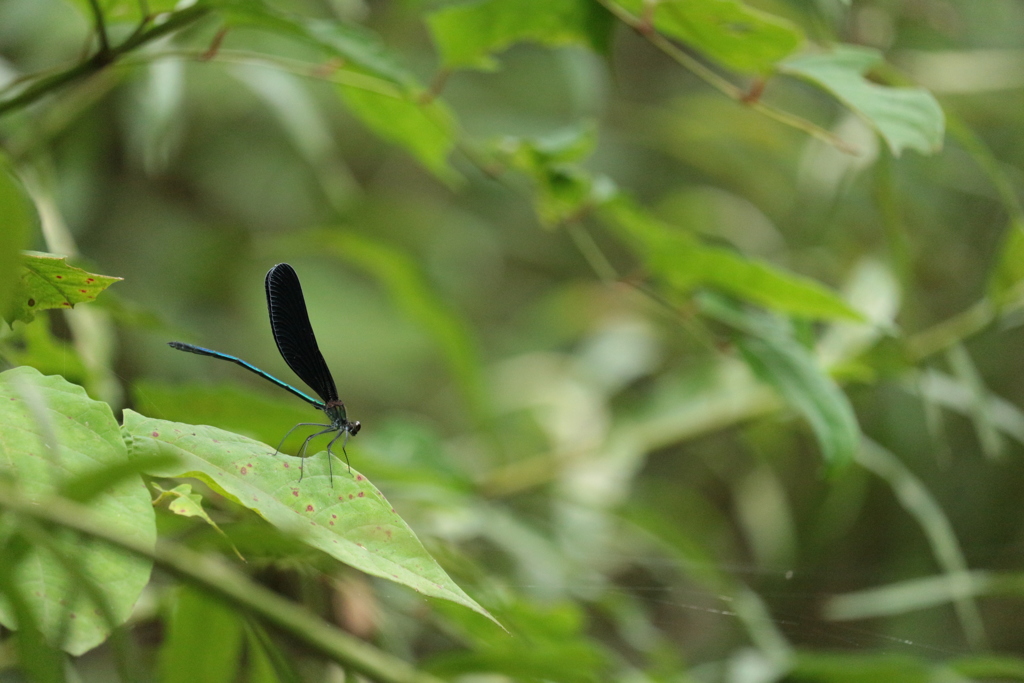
x: 683, y: 336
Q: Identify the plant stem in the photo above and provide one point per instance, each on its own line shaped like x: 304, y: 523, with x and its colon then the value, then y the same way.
x: 951, y: 331
x: 643, y: 26
x: 101, y: 59
x: 218, y: 577
x: 101, y: 29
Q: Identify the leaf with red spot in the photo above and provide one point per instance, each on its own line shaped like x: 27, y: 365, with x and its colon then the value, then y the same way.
x: 349, y: 520
x: 49, y: 281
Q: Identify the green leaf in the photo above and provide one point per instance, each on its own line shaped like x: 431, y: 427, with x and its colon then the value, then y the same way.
x: 564, y: 146
x: 39, y: 347
x: 51, y: 432
x: 350, y: 43
x: 726, y: 31
x: 684, y: 264
x: 779, y: 359
x: 18, y: 220
x: 85, y: 487
x: 203, y: 641
x: 564, y: 190
x: 425, y: 130
x: 347, y: 518
x: 181, y: 501
x: 40, y: 662
x: 910, y: 595
x: 1006, y: 283
x: 548, y: 642
x: 48, y: 281
x: 904, y: 117
x: 267, y: 663
x: 989, y: 667
x: 467, y: 35
x: 860, y: 668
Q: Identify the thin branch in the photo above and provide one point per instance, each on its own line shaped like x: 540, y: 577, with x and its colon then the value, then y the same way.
x: 436, y: 86
x: 101, y: 29
x: 100, y: 61
x: 643, y: 27
x: 951, y: 331
x: 213, y: 574
x: 297, y: 67
x: 598, y: 262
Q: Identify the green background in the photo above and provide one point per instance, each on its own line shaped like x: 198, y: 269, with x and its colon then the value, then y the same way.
x: 584, y: 289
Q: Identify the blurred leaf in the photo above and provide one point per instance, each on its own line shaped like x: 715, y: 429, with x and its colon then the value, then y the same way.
x: 426, y: 130
x: 564, y: 191
x: 947, y: 392
x: 50, y: 433
x: 860, y: 668
x: 468, y: 34
x: 415, y: 297
x: 267, y: 663
x: 182, y: 502
x: 261, y: 669
x: 349, y: 43
x: 915, y: 497
x: 697, y: 563
x: 1006, y: 283
x: 907, y: 596
x: 41, y: 661
x: 792, y: 371
x: 562, y: 146
x: 305, y: 124
x: 18, y: 220
x: 36, y: 346
x: 410, y: 453
x: 203, y: 641
x: 38, y: 659
x: 158, y: 128
x: 693, y: 559
x: 48, y: 281
x: 680, y: 260
x: 87, y: 486
x: 346, y: 517
x: 904, y: 117
x: 546, y: 644
x: 727, y: 31
x: 989, y: 666
x: 874, y: 292
x: 780, y: 360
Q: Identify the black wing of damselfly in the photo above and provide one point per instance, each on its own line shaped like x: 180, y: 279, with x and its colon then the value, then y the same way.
x: 289, y: 322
